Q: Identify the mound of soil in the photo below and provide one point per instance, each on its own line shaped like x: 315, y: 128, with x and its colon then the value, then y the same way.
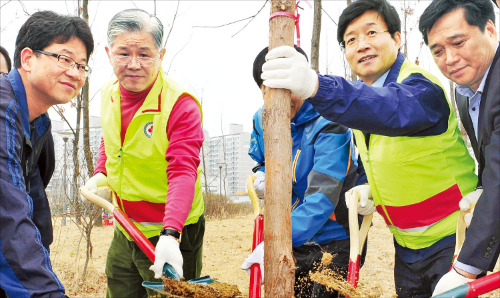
x: 192, y: 290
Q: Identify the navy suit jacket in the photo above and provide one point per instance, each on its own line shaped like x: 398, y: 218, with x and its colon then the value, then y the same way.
x: 481, y: 247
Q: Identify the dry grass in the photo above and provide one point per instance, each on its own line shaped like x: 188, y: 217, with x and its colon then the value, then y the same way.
x: 221, y: 207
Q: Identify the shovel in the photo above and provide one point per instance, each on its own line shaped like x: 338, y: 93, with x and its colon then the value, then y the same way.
x: 258, y: 236
x: 144, y: 244
x: 357, y: 238
x: 460, y: 236
x: 474, y: 288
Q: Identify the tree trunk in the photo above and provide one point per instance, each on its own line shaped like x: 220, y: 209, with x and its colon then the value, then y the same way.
x: 278, y: 257
x: 204, y: 168
x: 316, y: 36
x: 352, y: 76
x: 75, y: 198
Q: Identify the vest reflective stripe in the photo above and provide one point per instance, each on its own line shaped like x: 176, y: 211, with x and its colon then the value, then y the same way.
x: 137, y: 170
x: 421, y: 216
x: 135, y: 210
x: 417, y: 182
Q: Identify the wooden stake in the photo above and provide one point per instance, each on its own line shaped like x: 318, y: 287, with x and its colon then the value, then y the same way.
x: 278, y: 258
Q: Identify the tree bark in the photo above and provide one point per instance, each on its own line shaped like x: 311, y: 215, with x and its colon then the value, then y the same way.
x: 316, y: 36
x: 279, y: 265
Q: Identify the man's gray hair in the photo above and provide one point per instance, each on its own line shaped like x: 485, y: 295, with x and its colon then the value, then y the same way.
x: 135, y: 20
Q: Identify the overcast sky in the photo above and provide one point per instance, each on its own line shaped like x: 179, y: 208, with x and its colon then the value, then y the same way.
x: 214, y: 64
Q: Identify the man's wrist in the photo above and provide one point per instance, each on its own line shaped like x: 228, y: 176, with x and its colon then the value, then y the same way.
x: 171, y: 232
x: 465, y: 273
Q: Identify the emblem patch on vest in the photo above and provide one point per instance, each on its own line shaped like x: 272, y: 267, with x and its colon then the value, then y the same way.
x: 148, y: 129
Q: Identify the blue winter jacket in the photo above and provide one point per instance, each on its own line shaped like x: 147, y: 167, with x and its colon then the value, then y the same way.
x: 25, y: 268
x: 324, y: 168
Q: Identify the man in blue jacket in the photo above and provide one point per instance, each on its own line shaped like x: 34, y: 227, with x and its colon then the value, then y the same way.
x: 50, y: 60
x: 40, y: 169
x: 324, y: 168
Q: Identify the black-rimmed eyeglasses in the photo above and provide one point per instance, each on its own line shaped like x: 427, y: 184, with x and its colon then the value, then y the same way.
x: 68, y: 63
x: 353, y: 41
x: 124, y: 59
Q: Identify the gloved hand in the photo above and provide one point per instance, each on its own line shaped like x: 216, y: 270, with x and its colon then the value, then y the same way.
x: 467, y: 201
x: 450, y: 281
x: 260, y: 184
x: 167, y: 251
x: 286, y: 68
x: 98, y: 184
x: 256, y: 257
x: 366, y: 205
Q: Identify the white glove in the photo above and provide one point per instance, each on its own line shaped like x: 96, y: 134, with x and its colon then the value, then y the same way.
x: 450, y: 281
x: 256, y: 257
x: 288, y: 69
x: 98, y: 184
x: 260, y: 183
x: 467, y: 201
x: 167, y: 251
x: 366, y: 205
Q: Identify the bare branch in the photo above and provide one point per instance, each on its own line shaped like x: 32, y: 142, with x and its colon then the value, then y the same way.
x: 61, y: 114
x: 5, y: 3
x: 329, y: 16
x: 172, y: 26
x: 24, y: 8
x: 173, y: 58
x: 237, y: 21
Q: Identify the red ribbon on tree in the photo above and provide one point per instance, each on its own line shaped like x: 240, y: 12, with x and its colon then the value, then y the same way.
x: 289, y: 15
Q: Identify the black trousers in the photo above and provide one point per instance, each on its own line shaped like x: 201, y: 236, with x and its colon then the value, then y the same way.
x: 420, y: 278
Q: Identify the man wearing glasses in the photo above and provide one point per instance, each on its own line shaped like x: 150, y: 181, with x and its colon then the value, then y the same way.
x: 417, y: 165
x: 149, y: 156
x: 463, y: 41
x: 50, y: 67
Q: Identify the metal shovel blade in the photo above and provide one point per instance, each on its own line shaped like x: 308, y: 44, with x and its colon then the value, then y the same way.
x: 160, y: 288
x: 169, y: 271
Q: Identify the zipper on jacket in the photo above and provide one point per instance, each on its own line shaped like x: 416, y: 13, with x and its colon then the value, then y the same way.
x: 294, y: 179
x: 120, y: 155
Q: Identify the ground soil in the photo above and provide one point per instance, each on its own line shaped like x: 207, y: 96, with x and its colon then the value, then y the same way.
x: 227, y: 243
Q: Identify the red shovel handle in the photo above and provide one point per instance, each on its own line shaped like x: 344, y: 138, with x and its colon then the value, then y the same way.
x: 357, y: 238
x: 144, y: 244
x: 139, y: 238
x: 258, y: 237
x: 255, y: 274
x: 353, y: 273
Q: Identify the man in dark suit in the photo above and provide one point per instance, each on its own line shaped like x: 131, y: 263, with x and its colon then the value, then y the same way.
x: 462, y: 37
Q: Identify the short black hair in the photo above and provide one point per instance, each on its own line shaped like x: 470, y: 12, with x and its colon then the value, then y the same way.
x: 44, y: 28
x: 5, y: 54
x: 477, y: 13
x: 261, y: 59
x: 357, y: 8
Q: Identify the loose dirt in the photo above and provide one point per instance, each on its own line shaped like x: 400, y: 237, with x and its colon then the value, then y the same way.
x: 214, y: 290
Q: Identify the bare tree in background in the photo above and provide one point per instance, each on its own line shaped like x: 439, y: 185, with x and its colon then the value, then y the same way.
x: 316, y: 34
x: 352, y: 75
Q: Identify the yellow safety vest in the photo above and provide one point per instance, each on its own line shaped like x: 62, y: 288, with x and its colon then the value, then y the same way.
x: 137, y: 170
x: 417, y: 182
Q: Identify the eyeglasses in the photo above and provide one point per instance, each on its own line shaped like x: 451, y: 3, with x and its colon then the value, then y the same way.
x: 124, y: 59
x: 353, y: 41
x: 69, y: 63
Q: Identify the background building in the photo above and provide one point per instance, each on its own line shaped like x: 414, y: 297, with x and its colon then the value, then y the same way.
x: 227, y: 163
